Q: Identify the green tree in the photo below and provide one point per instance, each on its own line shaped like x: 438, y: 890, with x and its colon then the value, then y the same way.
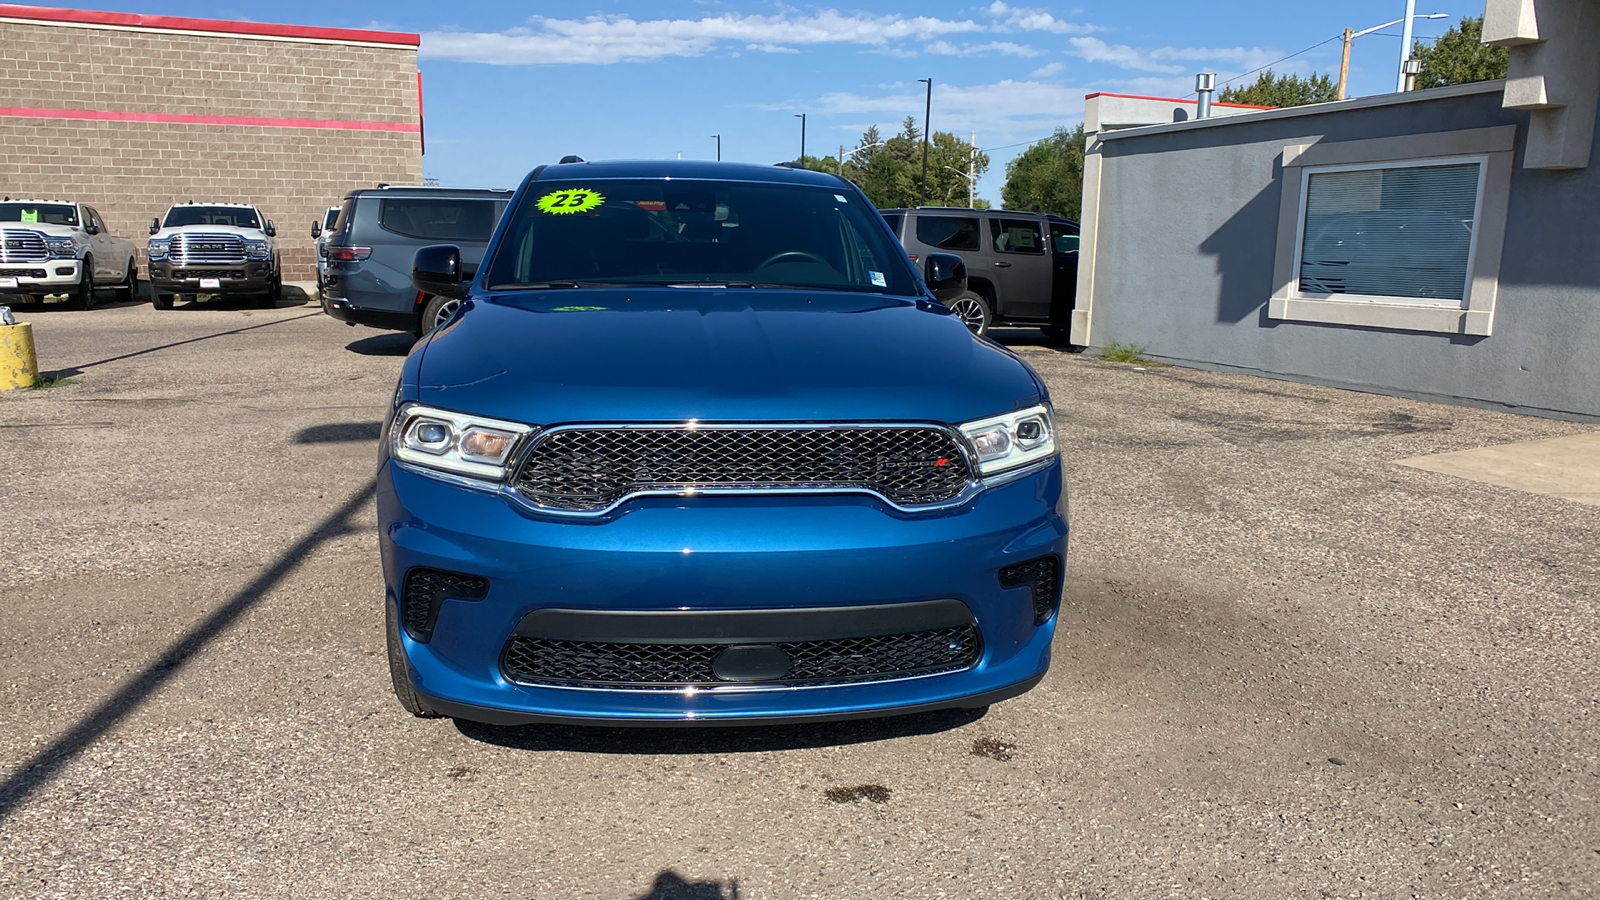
x: 1459, y: 57
x: 1282, y: 91
x: 891, y: 174
x: 1048, y: 177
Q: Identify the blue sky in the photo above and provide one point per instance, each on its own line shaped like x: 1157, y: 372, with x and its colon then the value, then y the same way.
x: 511, y: 85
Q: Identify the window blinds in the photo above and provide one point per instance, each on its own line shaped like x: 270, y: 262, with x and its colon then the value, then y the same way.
x: 1403, y: 232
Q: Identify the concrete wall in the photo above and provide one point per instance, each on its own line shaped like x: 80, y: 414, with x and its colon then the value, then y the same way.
x: 132, y: 113
x: 1186, y: 231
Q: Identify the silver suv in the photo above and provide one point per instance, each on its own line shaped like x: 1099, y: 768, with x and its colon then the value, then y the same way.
x: 61, y: 247
x: 213, y: 248
x: 1022, y: 267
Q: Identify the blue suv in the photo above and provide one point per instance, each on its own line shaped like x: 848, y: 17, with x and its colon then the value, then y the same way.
x: 700, y: 445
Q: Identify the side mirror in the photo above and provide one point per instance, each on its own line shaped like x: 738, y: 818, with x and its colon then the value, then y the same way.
x: 155, y: 225
x: 946, y: 275
x: 437, y: 270
x: 316, y: 230
x: 271, y: 230
x: 91, y: 228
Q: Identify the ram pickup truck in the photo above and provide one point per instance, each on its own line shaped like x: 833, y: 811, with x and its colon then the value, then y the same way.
x: 216, y: 249
x: 61, y: 247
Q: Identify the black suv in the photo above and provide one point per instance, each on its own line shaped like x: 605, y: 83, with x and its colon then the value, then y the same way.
x: 368, y: 275
x: 1022, y: 267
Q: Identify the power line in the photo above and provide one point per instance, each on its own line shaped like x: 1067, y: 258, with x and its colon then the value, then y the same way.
x: 1337, y: 37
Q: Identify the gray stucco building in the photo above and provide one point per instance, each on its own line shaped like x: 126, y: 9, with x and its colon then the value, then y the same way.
x: 1442, y: 244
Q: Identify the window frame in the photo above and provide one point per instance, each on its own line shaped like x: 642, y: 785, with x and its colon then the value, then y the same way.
x: 1306, y: 172
x: 997, y: 226
x: 1492, y: 147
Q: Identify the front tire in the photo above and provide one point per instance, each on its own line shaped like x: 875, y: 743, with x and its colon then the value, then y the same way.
x: 83, y: 297
x: 158, y: 299
x: 274, y: 293
x: 974, y: 312
x: 399, y: 669
x: 437, y: 312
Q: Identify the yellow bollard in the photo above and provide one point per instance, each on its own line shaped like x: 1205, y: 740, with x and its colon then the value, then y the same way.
x: 19, y: 366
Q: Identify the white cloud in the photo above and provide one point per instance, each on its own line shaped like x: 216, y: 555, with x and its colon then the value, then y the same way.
x: 1096, y: 50
x: 1006, y: 48
x: 1167, y: 59
x: 612, y: 39
x: 1017, y: 18
x: 1001, y: 113
x: 1045, y: 71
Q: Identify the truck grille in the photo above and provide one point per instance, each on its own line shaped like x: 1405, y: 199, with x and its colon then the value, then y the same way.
x: 21, y: 246
x: 563, y: 663
x: 192, y: 274
x: 205, y: 249
x: 590, y: 469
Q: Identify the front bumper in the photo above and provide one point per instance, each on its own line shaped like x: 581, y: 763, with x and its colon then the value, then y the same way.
x: 44, y: 277
x: 712, y: 554
x: 249, y: 277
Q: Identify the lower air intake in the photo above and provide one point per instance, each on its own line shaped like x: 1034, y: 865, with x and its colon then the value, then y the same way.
x: 1041, y: 576
x: 426, y: 589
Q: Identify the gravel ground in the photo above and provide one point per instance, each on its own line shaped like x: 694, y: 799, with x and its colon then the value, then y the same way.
x: 1286, y: 666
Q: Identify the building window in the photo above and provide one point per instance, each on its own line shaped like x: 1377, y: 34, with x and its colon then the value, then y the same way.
x: 1399, y: 233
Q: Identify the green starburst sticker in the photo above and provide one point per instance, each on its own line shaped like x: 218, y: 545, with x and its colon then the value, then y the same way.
x: 570, y: 200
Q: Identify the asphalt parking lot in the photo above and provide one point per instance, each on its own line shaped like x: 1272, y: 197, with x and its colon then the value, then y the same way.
x: 1286, y: 666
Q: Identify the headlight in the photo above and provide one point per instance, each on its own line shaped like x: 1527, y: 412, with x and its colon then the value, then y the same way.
x: 256, y: 249
x: 157, y: 249
x: 64, y: 248
x: 454, y: 442
x: 1012, y: 440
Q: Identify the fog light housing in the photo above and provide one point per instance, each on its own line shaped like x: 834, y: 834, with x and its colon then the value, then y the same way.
x: 63, y: 270
x: 426, y: 590
x: 1042, y: 577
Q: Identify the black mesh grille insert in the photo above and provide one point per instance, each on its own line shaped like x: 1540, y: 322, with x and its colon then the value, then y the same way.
x: 593, y: 468
x: 1042, y: 576
x: 22, y: 273
x: 191, y: 274
x: 541, y: 661
x: 425, y: 589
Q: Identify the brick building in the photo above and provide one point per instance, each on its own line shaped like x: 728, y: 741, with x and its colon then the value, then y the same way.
x: 133, y: 112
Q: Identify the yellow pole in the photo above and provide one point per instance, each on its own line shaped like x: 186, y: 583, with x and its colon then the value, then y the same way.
x: 1344, y: 64
x: 19, y: 366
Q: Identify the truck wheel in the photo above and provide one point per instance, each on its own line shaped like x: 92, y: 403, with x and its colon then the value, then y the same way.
x: 437, y: 312
x: 274, y: 293
x: 126, y: 291
x: 973, y: 311
x: 398, y: 668
x: 83, y: 297
x: 158, y: 299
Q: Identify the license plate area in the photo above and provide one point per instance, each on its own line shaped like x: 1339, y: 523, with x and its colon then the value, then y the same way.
x: 211, y: 282
x: 8, y: 282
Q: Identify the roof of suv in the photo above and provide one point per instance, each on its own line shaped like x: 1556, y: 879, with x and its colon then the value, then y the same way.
x: 686, y: 168
x: 417, y: 190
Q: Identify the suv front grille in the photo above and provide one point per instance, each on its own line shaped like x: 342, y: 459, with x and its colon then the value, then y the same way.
x: 192, y: 274
x: 563, y: 663
x: 592, y: 469
x: 18, y: 245
x: 194, y: 249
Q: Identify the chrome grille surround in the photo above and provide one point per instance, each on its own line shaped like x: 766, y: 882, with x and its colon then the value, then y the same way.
x: 21, y: 245
x: 593, y: 469
x: 199, y: 249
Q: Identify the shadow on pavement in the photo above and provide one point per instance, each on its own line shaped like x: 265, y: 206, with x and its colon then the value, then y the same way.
x: 713, y: 739
x: 339, y: 433
x: 669, y: 885
x: 207, y: 337
x: 389, y: 343
x: 45, y: 764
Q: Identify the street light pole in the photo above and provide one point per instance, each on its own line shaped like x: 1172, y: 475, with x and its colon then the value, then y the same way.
x: 719, y: 146
x: 1405, y: 44
x: 927, y: 110
x: 802, y: 118
x: 1344, y: 61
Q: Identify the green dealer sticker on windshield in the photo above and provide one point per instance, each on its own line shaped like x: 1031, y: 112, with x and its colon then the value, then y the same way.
x: 570, y: 200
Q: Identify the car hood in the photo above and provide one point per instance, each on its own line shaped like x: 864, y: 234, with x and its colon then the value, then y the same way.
x: 43, y: 228
x: 668, y: 355
x: 248, y: 234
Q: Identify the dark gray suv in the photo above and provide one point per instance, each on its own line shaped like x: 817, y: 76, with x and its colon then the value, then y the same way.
x: 378, y: 232
x: 1022, y: 267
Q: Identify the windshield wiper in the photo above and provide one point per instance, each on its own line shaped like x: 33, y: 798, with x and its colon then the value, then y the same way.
x: 543, y: 285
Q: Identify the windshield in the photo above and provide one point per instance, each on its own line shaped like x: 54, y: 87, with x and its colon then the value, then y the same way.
x: 735, y: 233
x: 236, y: 216
x: 40, y: 213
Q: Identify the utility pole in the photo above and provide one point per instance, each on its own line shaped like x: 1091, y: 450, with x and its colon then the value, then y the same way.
x: 719, y: 146
x: 802, y: 118
x: 1405, y: 44
x: 926, y: 112
x: 1344, y: 62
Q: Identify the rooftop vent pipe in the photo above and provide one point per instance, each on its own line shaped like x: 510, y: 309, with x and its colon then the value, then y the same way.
x: 1204, y: 84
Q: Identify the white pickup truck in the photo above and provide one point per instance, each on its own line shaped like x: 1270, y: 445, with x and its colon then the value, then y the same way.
x: 213, y: 248
x: 61, y: 247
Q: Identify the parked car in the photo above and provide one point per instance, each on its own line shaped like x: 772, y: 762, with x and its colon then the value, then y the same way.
x: 700, y: 446
x: 368, y: 276
x: 62, y: 247
x: 213, y: 248
x: 321, y: 232
x: 1022, y: 267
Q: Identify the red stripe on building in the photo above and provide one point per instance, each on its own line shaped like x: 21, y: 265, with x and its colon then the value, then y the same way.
x: 1173, y: 100
x: 48, y: 14
x: 106, y: 115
